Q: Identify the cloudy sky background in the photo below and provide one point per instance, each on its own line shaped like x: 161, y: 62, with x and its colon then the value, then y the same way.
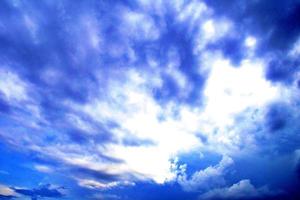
x: 144, y: 100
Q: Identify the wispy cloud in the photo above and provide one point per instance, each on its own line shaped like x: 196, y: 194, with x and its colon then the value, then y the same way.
x: 7, y: 192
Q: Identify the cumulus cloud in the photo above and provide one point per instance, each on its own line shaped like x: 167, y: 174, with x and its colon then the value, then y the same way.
x: 210, y: 177
x: 241, y: 190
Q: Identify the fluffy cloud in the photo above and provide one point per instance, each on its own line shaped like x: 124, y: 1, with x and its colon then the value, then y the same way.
x: 241, y: 190
x: 231, y: 90
x: 210, y: 177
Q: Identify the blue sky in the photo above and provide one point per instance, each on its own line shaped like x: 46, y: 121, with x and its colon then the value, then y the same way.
x: 149, y: 100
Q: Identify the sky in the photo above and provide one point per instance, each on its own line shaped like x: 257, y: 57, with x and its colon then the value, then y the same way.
x: 149, y: 100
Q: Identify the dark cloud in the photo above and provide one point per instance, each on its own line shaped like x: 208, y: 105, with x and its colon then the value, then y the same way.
x: 276, y: 24
x: 43, y: 191
x: 280, y: 128
x: 100, y: 132
x: 98, y: 175
x: 277, y: 117
x: 6, y: 197
x: 175, y: 46
x: 53, y: 46
x: 268, y: 20
x: 280, y: 37
x: 282, y: 70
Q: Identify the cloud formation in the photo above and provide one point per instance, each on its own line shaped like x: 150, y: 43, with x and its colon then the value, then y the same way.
x: 105, y: 95
x: 210, y: 177
x: 47, y: 190
x: 241, y: 190
x: 7, y: 193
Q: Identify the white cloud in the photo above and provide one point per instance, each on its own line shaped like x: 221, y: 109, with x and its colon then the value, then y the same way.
x: 192, y: 12
x: 210, y: 30
x: 129, y: 101
x: 230, y: 90
x: 250, y: 42
x: 207, y: 178
x: 295, y: 51
x: 93, y: 184
x: 132, y: 105
x: 215, y: 29
x: 12, y: 87
x: 139, y: 26
x: 6, y: 191
x: 21, y: 94
x: 43, y: 168
x: 241, y: 190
